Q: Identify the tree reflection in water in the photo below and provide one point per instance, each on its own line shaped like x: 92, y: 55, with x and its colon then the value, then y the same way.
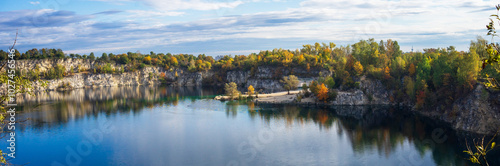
x: 380, y: 129
x: 369, y: 129
x: 53, y: 108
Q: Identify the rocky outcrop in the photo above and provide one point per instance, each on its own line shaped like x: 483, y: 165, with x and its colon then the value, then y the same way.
x: 479, y: 112
x: 351, y: 98
x: 145, y: 76
x: 45, y: 64
x: 267, y: 78
x: 370, y: 92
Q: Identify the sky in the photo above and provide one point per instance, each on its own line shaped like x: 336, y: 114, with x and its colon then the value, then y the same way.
x: 222, y: 27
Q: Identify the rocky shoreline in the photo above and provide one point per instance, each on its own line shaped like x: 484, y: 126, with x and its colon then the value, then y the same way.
x: 473, y: 113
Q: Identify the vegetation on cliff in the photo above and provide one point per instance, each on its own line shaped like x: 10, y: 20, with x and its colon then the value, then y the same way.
x: 436, y: 76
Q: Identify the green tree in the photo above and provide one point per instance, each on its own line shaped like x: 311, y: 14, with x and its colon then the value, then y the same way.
x: 305, y: 89
x: 124, y: 59
x: 313, y: 87
x: 290, y: 82
x: 409, y: 86
x: 104, y: 57
x: 92, y: 56
x: 330, y: 82
x: 231, y: 90
x: 423, y: 72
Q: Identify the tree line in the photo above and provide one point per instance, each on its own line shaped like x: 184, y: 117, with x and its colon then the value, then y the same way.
x: 428, y: 77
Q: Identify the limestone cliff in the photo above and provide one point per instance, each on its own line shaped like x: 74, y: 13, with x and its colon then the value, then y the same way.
x: 145, y: 76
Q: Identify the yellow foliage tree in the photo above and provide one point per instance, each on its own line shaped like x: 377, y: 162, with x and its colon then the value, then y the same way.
x: 287, y: 58
x: 147, y: 59
x: 301, y: 58
x: 250, y: 90
x: 358, y: 68
x: 323, y: 93
x: 174, y: 61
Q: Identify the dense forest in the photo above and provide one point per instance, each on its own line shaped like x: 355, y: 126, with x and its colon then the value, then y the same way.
x: 433, y: 77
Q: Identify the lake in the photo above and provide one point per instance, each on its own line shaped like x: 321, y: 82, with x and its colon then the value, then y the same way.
x: 185, y: 126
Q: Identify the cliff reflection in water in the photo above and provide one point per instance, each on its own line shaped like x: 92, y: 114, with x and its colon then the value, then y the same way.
x: 374, y: 129
x: 51, y: 108
x: 380, y: 130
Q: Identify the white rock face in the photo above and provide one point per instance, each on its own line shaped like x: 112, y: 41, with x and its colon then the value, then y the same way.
x: 145, y: 76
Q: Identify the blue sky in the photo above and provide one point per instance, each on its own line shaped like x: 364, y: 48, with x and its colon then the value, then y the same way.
x: 217, y: 27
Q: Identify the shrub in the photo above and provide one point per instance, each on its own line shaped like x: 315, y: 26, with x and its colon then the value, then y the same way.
x: 55, y: 73
x: 332, y: 94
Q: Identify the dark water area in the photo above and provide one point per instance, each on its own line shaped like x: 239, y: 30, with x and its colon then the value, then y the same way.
x: 185, y: 126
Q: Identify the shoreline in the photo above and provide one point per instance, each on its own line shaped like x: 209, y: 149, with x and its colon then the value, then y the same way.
x: 478, y: 124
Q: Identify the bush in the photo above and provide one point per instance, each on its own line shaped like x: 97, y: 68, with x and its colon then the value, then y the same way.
x: 299, y: 97
x: 107, y: 68
x: 34, y: 74
x: 55, y: 73
x: 332, y: 94
x: 142, y: 66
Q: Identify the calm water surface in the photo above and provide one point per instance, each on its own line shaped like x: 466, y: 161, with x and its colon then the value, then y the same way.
x: 170, y: 126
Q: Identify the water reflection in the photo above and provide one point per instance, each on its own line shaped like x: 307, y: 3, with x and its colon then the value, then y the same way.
x: 54, y: 108
x: 385, y: 131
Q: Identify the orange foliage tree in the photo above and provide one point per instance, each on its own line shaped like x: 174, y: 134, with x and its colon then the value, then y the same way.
x: 323, y: 93
x: 420, y: 98
x: 387, y: 73
x: 411, y: 69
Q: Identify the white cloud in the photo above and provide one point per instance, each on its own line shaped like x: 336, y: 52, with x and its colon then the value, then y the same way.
x: 147, y: 13
x: 171, y: 5
x: 190, y: 4
x: 35, y: 3
x: 432, y: 23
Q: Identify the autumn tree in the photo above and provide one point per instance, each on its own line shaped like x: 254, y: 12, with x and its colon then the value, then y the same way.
x: 147, y: 60
x: 411, y: 69
x: 250, y: 90
x: 290, y: 82
x: 358, y: 68
x: 174, y: 61
x: 231, y: 90
x: 387, y: 73
x: 322, y: 93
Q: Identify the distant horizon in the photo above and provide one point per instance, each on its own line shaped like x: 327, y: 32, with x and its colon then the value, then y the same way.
x: 237, y: 27
x: 243, y: 52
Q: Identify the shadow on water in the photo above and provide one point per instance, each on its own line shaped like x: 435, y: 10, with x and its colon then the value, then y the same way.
x: 383, y: 129
x: 368, y: 129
